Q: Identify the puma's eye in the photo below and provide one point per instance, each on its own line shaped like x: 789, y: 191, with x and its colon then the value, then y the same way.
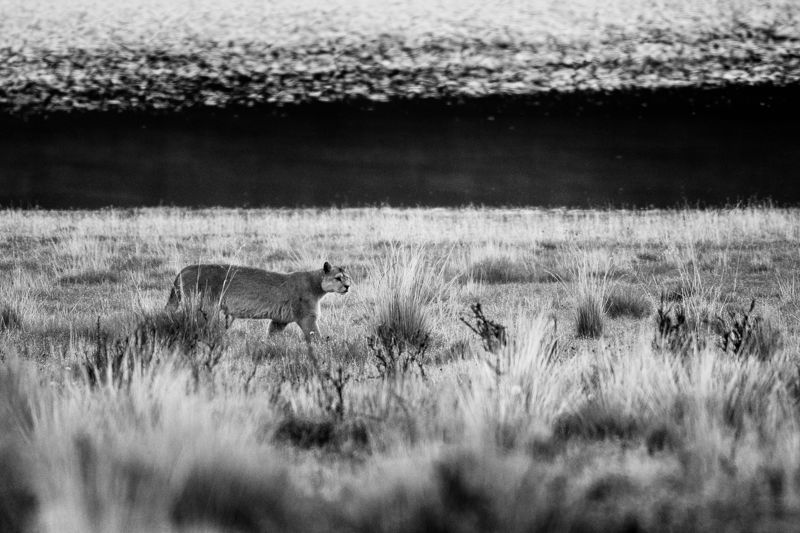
x: 339, y: 277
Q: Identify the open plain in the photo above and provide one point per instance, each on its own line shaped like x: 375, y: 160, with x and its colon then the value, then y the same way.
x: 621, y: 395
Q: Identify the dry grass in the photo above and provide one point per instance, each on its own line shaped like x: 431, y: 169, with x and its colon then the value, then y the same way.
x: 550, y: 431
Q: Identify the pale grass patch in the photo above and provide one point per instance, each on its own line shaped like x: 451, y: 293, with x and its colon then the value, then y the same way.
x: 156, y: 432
x: 515, y: 395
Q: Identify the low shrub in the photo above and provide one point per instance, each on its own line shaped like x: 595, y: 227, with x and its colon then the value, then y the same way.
x: 394, y: 356
x: 493, y: 335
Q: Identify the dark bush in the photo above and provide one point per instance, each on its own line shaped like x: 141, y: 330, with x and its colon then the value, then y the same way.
x: 676, y: 331
x: 9, y: 317
x: 747, y: 335
x: 493, y: 335
x: 393, y: 355
x: 327, y: 433
x: 242, y: 500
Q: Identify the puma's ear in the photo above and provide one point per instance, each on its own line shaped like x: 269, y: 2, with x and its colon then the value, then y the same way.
x: 326, y: 267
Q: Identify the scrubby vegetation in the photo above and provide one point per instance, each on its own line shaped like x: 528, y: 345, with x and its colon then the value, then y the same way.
x: 119, y: 415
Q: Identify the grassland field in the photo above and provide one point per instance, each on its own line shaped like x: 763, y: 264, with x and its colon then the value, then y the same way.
x: 117, y: 415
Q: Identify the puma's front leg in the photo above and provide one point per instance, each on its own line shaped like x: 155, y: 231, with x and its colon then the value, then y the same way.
x: 310, y: 329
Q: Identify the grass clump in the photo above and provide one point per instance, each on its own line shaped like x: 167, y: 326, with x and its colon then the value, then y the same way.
x: 627, y: 302
x: 591, y: 294
x: 589, y: 316
x: 402, y: 320
x: 407, y: 287
x: 9, y: 317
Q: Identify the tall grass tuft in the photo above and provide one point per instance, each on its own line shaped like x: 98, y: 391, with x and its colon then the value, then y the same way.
x: 591, y: 295
x: 408, y: 284
x: 589, y: 316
